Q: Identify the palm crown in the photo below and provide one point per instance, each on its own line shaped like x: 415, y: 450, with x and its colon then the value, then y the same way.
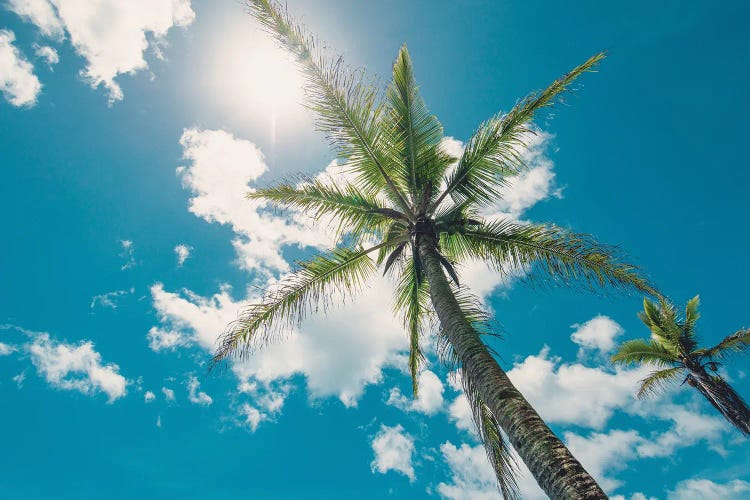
x: 409, y: 196
x: 673, y: 350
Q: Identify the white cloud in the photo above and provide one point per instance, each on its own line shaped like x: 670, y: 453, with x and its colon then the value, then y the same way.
x: 252, y: 416
x: 149, y: 397
x: 158, y: 421
x: 6, y: 349
x: 430, y: 398
x: 604, y: 453
x: 41, y: 13
x: 195, y: 395
x: 535, y: 184
x: 128, y: 253
x: 168, y: 394
x: 193, y: 319
x: 471, y: 473
x: 48, y: 54
x: 19, y: 379
x: 393, y: 449
x: 335, y: 360
x: 18, y: 84
x: 634, y: 496
x: 221, y: 170
x: 111, y: 35
x: 704, y: 489
x: 162, y: 339
x: 459, y: 412
x: 183, y: 254
x: 472, y: 476
x: 572, y: 393
x: 76, y: 367
x: 109, y: 299
x: 599, y: 333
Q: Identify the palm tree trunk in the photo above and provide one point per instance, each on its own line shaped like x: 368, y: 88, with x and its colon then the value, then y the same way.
x: 556, y: 470
x: 725, y: 399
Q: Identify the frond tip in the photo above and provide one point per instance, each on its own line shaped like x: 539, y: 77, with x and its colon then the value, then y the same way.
x: 342, y: 270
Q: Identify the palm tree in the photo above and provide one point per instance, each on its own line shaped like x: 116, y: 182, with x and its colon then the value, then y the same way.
x: 420, y: 206
x: 673, y: 350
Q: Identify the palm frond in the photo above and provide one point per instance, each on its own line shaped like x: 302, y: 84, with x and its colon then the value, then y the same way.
x: 640, y: 351
x: 342, y: 270
x: 548, y: 254
x: 344, y: 101
x: 413, y: 304
x: 738, y: 342
x: 419, y: 131
x: 691, y: 313
x: 351, y: 209
x: 494, y: 152
x: 495, y: 445
x: 657, y: 380
x: 396, y: 232
x: 666, y: 328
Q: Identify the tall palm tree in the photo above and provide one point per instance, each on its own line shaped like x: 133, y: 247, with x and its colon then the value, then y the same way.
x: 420, y: 206
x: 673, y: 350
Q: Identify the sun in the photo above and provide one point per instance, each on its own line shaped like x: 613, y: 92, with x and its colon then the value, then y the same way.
x: 250, y: 76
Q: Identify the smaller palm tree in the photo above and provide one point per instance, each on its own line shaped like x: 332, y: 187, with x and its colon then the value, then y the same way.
x: 673, y: 350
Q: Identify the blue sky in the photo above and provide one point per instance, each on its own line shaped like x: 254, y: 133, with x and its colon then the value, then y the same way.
x: 128, y: 135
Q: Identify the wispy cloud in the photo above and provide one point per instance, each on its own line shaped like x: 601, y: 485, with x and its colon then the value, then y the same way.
x: 128, y: 253
x: 183, y: 254
x: 110, y: 299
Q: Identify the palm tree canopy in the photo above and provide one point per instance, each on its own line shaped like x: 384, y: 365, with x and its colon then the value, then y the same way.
x: 673, y: 346
x: 401, y: 183
x: 402, y: 186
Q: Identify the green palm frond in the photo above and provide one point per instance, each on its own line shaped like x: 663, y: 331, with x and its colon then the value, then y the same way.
x: 639, y: 351
x: 396, y: 232
x: 493, y: 153
x: 665, y: 326
x: 656, y: 381
x: 419, y: 131
x: 413, y: 303
x: 344, y: 102
x: 691, y: 313
x: 738, y: 342
x: 495, y: 445
x: 353, y: 210
x: 342, y: 270
x: 548, y: 254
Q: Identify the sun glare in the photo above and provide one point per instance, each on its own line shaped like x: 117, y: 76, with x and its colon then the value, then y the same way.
x: 254, y: 78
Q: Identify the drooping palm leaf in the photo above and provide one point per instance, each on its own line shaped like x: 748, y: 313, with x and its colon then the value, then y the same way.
x: 342, y: 270
x: 494, y: 152
x: 657, y: 380
x: 495, y: 445
x: 413, y: 304
x: 738, y: 342
x: 548, y: 254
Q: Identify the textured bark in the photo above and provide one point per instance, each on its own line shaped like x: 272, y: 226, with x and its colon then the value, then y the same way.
x: 723, y: 398
x: 556, y: 470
